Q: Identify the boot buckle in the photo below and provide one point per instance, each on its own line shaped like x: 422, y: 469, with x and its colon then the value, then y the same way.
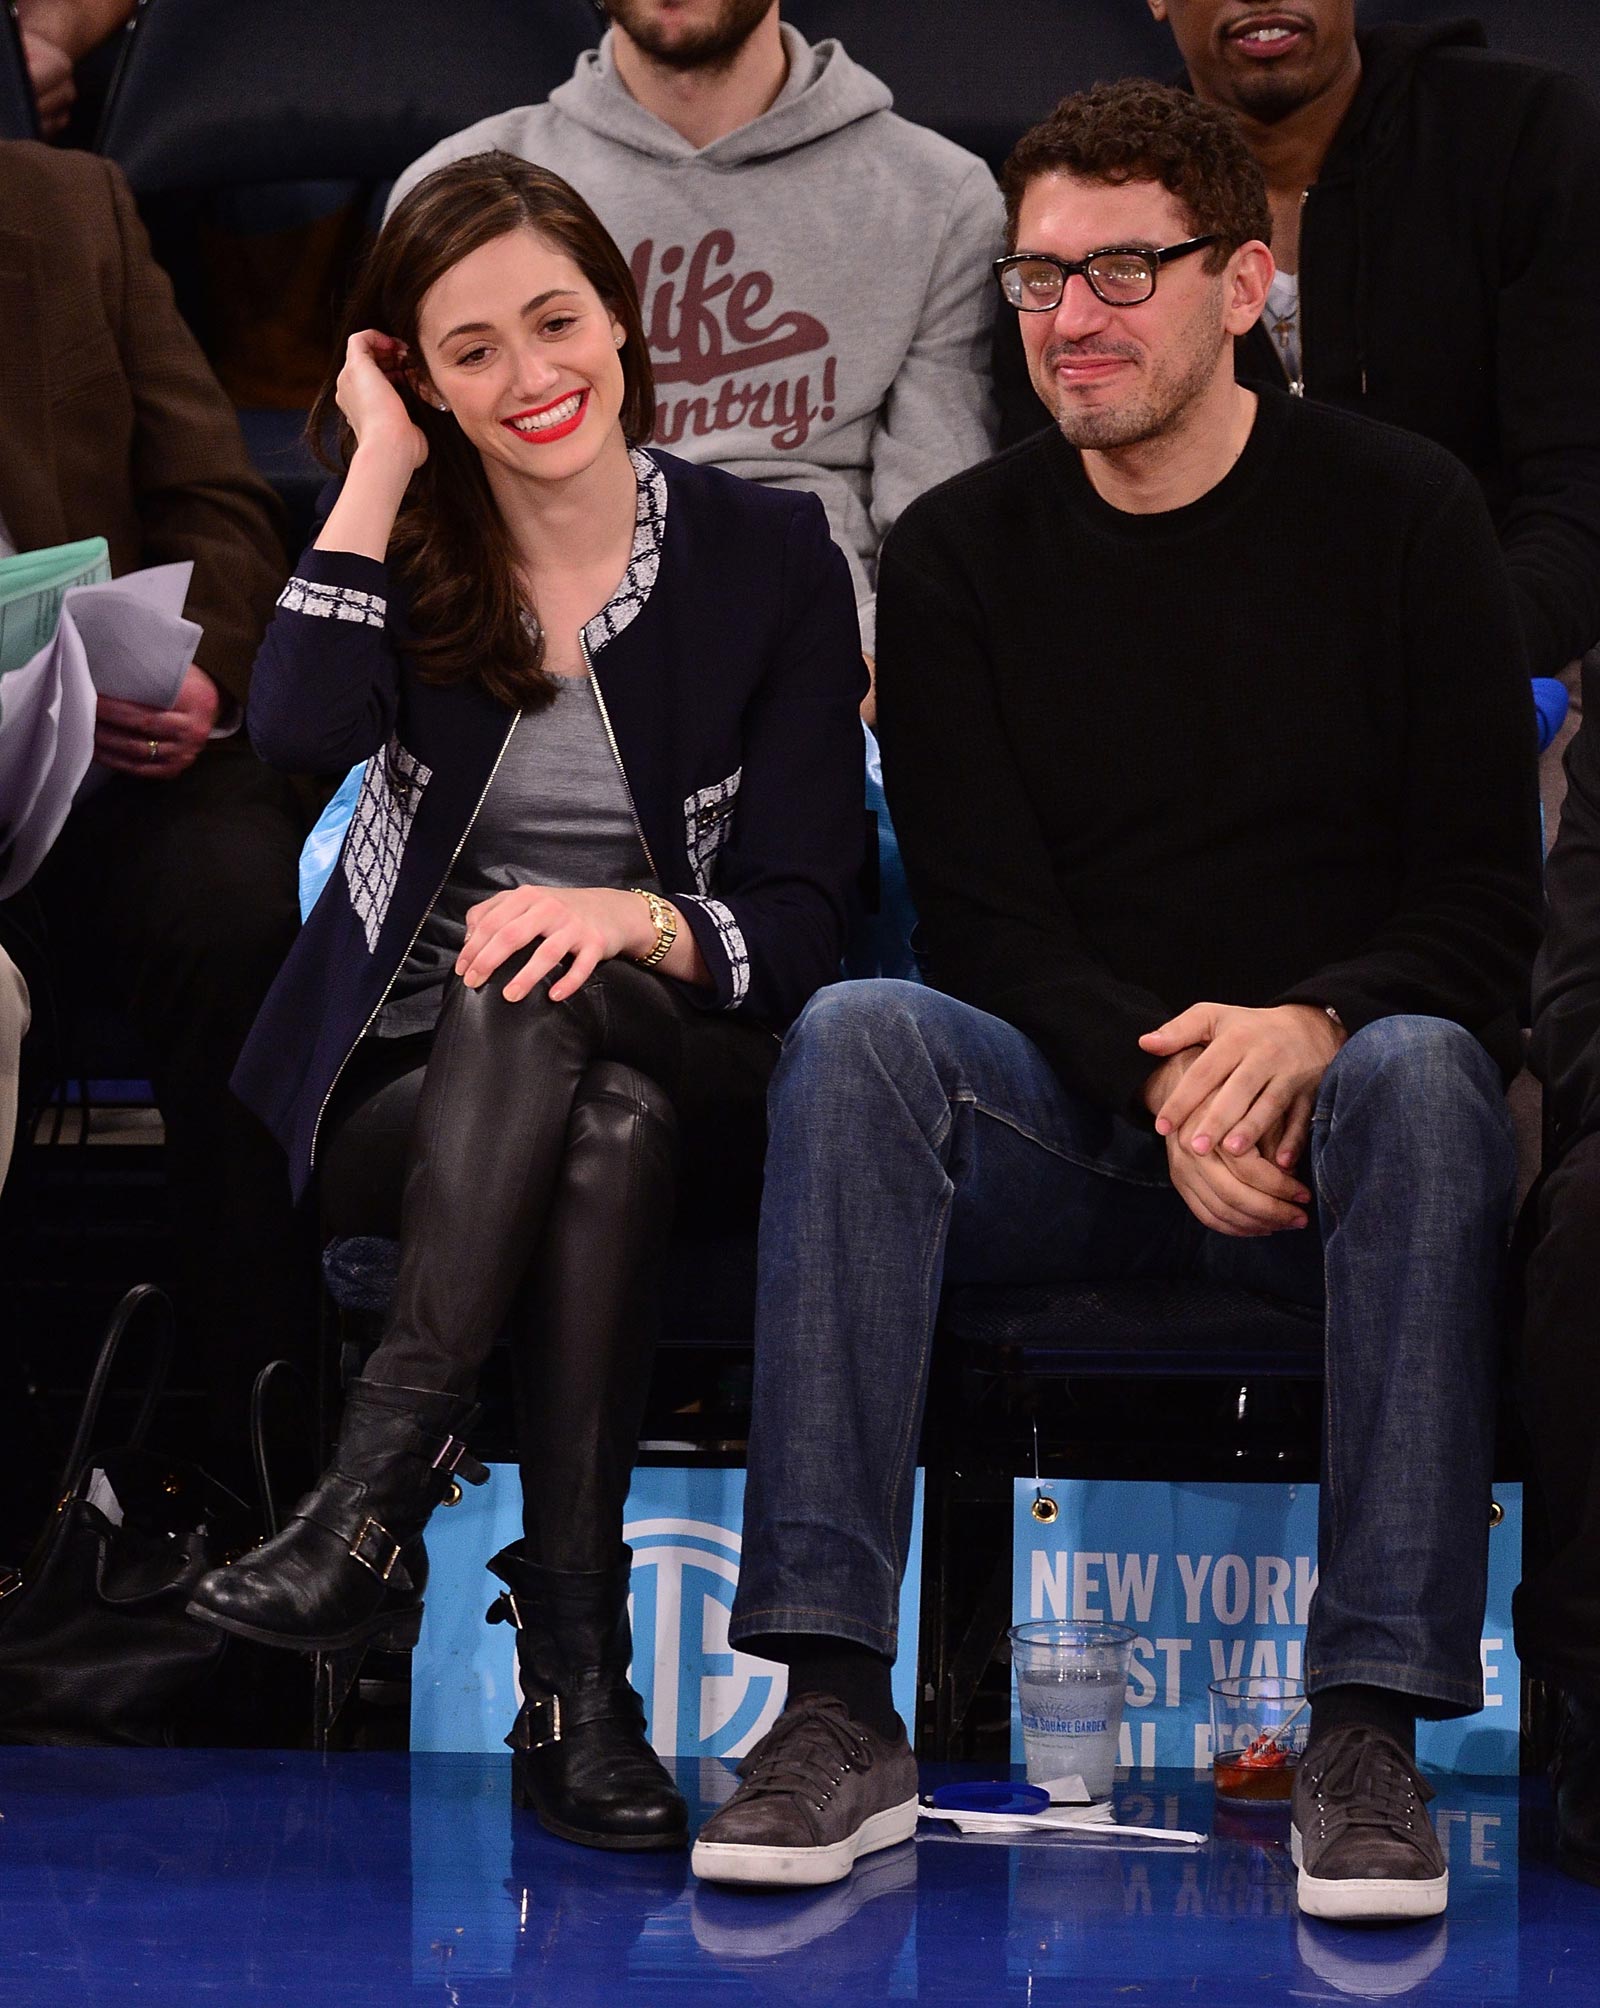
x: 455, y: 1459
x: 385, y: 1549
x: 504, y: 1611
x: 551, y: 1704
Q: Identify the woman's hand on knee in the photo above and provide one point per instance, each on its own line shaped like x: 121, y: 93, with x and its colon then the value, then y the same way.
x: 591, y: 924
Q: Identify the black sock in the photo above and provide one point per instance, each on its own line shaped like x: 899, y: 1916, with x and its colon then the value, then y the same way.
x: 1373, y: 1707
x: 854, y: 1674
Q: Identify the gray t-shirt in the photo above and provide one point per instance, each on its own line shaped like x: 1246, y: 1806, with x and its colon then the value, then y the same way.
x: 556, y: 813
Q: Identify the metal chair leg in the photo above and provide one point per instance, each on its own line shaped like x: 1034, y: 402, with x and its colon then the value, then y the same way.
x: 334, y: 1675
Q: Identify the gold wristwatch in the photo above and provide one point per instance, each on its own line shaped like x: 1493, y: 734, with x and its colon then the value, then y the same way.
x: 664, y: 919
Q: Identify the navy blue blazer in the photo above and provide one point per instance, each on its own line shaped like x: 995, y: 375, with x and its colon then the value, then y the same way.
x: 729, y: 669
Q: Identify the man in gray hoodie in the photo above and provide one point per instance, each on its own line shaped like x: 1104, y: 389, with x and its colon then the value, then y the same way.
x: 814, y: 271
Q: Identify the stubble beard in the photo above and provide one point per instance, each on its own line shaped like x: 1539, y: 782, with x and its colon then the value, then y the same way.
x: 1157, y: 408
x: 714, y: 47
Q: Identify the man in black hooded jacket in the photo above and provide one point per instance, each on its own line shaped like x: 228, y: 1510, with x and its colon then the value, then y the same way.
x: 1437, y: 210
x: 1438, y: 207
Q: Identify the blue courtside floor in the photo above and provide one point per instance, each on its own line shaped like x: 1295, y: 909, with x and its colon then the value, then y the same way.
x: 243, y: 1877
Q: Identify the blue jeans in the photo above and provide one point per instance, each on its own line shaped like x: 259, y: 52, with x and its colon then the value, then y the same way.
x: 916, y: 1141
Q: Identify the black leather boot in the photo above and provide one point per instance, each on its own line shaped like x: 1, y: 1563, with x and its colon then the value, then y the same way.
x: 580, y: 1759
x: 350, y: 1567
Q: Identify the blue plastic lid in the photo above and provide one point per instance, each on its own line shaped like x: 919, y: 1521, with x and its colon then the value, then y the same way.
x: 989, y: 1795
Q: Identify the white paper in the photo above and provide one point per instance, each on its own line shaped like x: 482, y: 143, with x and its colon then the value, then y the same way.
x: 30, y: 716
x: 138, y: 643
x: 54, y: 724
x: 124, y: 638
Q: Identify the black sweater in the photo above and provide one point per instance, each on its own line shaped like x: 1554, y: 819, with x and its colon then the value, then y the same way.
x: 1275, y: 746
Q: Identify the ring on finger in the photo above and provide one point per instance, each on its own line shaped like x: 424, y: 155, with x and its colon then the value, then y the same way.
x: 155, y: 749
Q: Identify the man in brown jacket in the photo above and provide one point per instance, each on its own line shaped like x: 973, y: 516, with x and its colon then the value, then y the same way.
x: 171, y: 894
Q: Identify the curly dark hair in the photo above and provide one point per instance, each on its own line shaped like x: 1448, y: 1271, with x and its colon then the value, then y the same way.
x: 1139, y: 131
x: 449, y: 545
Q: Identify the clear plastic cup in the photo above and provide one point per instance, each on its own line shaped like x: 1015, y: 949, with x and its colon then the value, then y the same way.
x: 1072, y: 1682
x: 1259, y: 1726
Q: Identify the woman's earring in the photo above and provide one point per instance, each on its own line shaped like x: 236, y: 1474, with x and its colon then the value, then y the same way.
x: 440, y: 404
x: 618, y: 339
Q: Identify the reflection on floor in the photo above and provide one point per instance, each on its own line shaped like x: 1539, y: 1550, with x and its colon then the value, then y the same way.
x: 235, y: 1878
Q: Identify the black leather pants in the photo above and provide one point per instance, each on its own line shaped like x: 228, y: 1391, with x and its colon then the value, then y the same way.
x: 527, y: 1154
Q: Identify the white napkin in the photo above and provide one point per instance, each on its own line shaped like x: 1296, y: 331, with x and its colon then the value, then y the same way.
x: 1096, y: 1822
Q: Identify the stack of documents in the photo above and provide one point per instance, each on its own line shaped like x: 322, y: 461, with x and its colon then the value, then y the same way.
x: 70, y: 634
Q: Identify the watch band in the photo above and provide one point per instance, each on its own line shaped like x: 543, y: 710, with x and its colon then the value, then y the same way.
x: 664, y: 918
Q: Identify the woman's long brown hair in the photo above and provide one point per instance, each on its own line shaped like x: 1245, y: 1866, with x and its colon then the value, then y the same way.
x: 450, y: 546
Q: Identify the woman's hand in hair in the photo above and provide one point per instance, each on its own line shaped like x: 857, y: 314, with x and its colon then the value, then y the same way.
x: 368, y: 393
x: 389, y: 447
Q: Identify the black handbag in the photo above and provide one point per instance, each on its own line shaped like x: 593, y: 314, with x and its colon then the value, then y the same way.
x: 95, y: 1644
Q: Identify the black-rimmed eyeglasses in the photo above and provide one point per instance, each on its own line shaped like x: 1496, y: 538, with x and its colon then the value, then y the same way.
x: 1034, y: 282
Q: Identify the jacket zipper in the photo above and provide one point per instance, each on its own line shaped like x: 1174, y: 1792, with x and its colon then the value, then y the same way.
x: 627, y: 785
x: 316, y: 1129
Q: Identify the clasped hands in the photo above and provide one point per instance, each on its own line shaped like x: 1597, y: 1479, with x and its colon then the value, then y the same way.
x: 1233, y: 1095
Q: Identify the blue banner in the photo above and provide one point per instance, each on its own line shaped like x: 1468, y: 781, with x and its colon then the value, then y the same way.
x: 1217, y: 1580
x: 702, y: 1698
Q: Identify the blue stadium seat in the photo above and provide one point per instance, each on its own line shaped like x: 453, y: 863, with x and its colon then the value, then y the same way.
x: 19, y: 118
x: 1137, y: 1330
x: 983, y: 79
x: 228, y: 93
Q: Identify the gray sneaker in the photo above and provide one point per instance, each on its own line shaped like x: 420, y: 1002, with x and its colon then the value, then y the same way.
x: 817, y: 1791
x: 1361, y: 1836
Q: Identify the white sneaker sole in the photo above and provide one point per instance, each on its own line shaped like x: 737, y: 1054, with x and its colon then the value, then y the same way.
x: 737, y: 1862
x: 1345, y: 1899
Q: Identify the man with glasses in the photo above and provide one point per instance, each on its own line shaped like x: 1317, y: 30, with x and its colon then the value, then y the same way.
x: 1225, y: 958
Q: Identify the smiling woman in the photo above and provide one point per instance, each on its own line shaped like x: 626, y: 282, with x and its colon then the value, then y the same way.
x: 606, y: 844
x: 493, y: 295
